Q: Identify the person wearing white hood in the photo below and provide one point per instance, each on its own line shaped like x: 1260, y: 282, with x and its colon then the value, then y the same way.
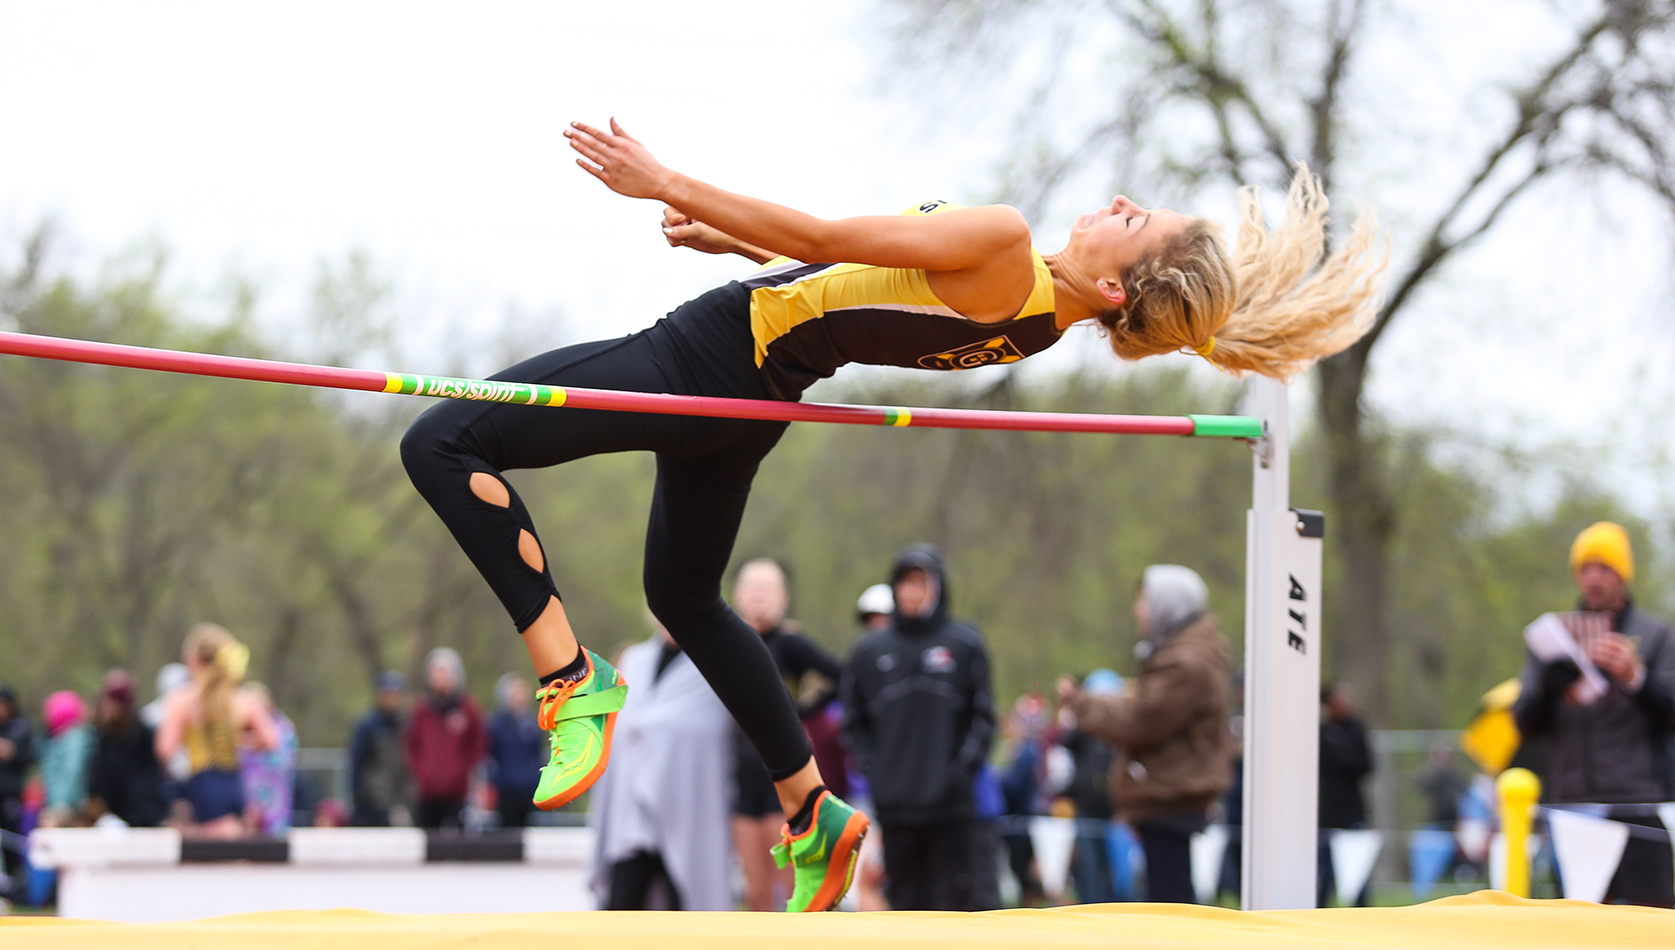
x: 1169, y: 726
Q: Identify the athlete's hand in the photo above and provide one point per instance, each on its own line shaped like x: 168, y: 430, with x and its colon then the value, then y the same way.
x: 682, y: 231
x: 619, y: 160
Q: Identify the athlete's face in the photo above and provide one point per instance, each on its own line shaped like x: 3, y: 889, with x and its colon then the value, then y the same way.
x: 760, y: 596
x: 1115, y: 237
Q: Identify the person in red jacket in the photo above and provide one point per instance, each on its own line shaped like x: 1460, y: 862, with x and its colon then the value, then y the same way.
x: 444, y: 741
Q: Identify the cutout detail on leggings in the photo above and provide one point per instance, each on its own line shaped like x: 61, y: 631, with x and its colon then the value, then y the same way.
x: 490, y: 489
x: 530, y: 550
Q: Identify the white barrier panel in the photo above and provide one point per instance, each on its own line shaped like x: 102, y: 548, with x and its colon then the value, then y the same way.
x: 357, y: 846
x: 136, y: 876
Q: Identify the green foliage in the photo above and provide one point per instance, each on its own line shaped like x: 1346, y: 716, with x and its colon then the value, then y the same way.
x: 139, y: 503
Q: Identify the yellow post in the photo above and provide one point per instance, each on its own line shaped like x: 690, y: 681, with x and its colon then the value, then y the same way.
x: 1519, y: 791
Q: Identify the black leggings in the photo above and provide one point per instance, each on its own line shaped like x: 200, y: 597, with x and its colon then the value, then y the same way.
x: 704, y: 471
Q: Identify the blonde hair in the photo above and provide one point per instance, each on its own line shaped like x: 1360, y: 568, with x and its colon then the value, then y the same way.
x: 222, y: 660
x: 1273, y: 308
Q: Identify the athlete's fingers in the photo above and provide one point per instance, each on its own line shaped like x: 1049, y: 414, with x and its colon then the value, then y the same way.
x: 673, y: 218
x: 618, y: 130
x: 578, y: 131
x: 590, y: 130
x: 589, y: 148
x: 598, y: 173
x: 680, y: 234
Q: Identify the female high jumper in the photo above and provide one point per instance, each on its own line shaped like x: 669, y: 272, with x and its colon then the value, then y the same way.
x: 940, y: 287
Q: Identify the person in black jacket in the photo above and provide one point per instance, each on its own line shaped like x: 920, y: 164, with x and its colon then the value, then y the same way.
x: 1345, y: 761
x: 1615, y: 749
x: 17, y: 755
x: 761, y: 597
x: 919, y: 720
x: 125, y: 778
x: 378, y: 781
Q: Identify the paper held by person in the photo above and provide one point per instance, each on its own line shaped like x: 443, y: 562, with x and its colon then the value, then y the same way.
x: 1550, y: 639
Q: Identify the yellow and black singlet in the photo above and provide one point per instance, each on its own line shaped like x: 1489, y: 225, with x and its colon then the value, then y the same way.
x: 809, y: 319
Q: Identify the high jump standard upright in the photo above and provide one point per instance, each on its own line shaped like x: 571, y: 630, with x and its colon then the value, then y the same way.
x: 1282, y: 673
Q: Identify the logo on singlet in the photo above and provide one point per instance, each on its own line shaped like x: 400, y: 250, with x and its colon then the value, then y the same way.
x: 930, y: 206
x: 997, y: 350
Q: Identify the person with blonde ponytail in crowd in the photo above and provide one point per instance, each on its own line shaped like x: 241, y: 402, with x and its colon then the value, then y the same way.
x: 213, y: 718
x: 940, y: 287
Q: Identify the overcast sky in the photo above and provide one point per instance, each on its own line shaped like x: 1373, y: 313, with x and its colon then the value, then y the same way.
x: 262, y: 138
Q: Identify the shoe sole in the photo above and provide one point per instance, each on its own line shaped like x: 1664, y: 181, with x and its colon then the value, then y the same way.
x: 570, y: 794
x: 846, y: 853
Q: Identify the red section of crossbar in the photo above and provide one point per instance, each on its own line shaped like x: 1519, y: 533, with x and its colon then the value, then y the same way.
x: 197, y: 364
x: 238, y: 367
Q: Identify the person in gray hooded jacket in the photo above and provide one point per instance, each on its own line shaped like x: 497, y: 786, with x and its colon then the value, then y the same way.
x: 1169, y: 727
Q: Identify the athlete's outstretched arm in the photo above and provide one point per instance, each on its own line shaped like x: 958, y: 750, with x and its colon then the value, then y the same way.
x: 681, y: 231
x: 951, y: 241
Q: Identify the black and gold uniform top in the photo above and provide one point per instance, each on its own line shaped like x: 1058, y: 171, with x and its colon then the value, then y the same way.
x: 809, y: 319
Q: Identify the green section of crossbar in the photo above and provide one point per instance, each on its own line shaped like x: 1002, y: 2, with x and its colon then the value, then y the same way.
x: 1230, y: 427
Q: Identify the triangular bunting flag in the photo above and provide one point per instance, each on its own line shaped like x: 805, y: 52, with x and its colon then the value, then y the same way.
x: 1353, y: 855
x: 1207, y: 848
x: 1053, y: 839
x: 1587, y: 850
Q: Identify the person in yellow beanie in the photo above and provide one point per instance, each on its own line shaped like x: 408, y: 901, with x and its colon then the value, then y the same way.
x: 1603, y: 543
x: 1614, y: 750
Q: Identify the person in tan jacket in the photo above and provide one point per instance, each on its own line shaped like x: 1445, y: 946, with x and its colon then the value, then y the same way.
x: 1169, y: 726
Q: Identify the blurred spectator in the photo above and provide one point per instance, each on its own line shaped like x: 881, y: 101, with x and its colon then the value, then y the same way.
x: 1026, y: 731
x: 210, y: 718
x: 1089, y: 793
x: 378, y: 780
x: 444, y: 741
x: 874, y: 608
x: 177, y: 769
x: 1231, y: 879
x: 17, y: 756
x: 919, y: 719
x: 1443, y: 787
x: 660, y: 813
x: 269, y: 775
x: 761, y: 598
x: 1615, y: 749
x: 1345, y: 762
x: 125, y: 778
x: 517, y: 748
x: 872, y: 611
x: 330, y: 813
x: 1170, y: 726
x: 66, y: 754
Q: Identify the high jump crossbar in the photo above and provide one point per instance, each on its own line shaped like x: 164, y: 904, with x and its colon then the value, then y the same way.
x: 484, y: 390
x: 1282, y: 554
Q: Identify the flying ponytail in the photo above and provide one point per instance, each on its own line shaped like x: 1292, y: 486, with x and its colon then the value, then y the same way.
x: 1273, y: 308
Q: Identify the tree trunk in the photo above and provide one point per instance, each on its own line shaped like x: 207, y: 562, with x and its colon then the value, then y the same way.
x: 1365, y: 524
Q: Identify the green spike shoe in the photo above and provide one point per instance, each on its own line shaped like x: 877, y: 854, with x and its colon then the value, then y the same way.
x: 823, y: 858
x: 579, y: 718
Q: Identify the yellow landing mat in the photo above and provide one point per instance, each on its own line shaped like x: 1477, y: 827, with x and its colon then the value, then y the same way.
x: 1484, y: 920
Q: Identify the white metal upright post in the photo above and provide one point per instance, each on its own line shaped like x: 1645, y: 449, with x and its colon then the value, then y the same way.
x: 1282, y: 675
